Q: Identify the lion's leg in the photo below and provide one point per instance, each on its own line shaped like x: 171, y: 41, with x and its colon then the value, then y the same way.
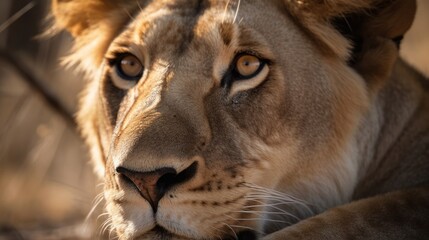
x: 397, y: 215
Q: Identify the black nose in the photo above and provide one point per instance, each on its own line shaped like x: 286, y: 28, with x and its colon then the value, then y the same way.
x: 154, y: 184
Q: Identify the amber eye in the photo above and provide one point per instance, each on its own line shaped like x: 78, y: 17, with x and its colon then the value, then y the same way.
x: 247, y: 66
x: 247, y: 71
x: 127, y: 70
x: 129, y: 67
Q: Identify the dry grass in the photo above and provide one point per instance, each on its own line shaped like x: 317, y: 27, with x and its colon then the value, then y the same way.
x: 47, y: 184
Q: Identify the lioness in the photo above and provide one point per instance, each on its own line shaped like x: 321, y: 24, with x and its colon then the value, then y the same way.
x: 247, y: 119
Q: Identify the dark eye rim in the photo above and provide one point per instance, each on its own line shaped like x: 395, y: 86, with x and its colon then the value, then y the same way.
x: 116, y: 61
x: 232, y: 73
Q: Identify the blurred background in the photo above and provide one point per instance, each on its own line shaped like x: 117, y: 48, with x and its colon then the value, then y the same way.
x: 47, y: 186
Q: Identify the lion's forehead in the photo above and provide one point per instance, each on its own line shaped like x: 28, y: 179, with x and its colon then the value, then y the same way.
x: 173, y: 27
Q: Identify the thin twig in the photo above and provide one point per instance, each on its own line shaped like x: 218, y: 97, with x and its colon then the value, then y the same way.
x: 16, y: 16
x: 37, y: 85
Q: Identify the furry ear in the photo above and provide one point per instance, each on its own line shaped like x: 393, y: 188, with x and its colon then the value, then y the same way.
x: 327, y: 20
x: 79, y: 16
x: 93, y: 24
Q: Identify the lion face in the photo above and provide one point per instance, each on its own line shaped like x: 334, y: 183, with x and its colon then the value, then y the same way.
x: 214, y: 116
x: 210, y: 118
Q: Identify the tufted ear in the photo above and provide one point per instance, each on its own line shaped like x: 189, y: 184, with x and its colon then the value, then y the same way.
x: 92, y: 23
x: 328, y: 21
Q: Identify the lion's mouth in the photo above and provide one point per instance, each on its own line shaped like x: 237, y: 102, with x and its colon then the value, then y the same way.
x: 161, y: 232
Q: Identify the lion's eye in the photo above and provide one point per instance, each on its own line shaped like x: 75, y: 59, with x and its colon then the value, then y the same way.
x: 247, y: 71
x: 129, y: 67
x: 128, y: 70
x: 248, y: 66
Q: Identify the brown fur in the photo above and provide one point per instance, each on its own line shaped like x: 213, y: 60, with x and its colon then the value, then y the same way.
x: 343, y: 129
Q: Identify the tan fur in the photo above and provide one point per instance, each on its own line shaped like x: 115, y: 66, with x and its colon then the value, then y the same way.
x: 328, y: 141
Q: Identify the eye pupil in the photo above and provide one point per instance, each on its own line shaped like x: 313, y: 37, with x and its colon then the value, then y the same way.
x: 248, y: 65
x: 130, y: 68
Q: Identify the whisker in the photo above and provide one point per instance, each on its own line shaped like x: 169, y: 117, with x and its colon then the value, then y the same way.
x: 102, y: 215
x: 236, y: 11
x: 269, y: 212
x: 224, y: 12
x: 98, y: 199
x: 235, y: 234
x: 256, y: 219
x: 217, y: 229
x: 277, y: 200
x: 274, y: 192
x: 272, y: 198
x: 110, y: 233
x: 262, y: 204
x: 276, y: 195
x: 138, y: 4
x: 129, y: 14
x: 249, y: 228
x: 267, y: 190
x: 272, y: 205
x: 107, y: 224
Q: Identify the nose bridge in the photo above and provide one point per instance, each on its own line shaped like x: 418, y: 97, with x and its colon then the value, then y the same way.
x: 185, y: 97
x: 176, y: 128
x: 183, y: 105
x: 155, y: 142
